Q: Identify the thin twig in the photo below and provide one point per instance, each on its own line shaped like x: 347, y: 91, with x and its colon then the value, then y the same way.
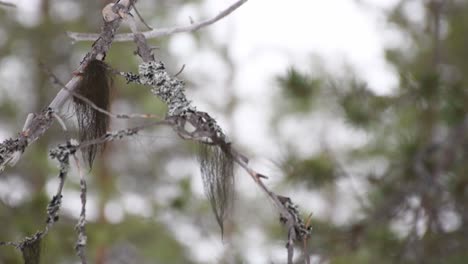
x: 180, y: 71
x: 55, y: 80
x: 161, y: 32
x: 120, y: 134
x: 141, y: 18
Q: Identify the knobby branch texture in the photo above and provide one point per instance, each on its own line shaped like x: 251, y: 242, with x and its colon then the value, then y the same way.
x: 217, y: 155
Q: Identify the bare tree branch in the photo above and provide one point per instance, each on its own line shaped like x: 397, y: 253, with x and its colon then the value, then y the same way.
x: 161, y: 32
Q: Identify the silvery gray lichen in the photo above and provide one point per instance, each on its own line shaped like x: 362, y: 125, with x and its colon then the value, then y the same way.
x: 53, y: 208
x: 11, y: 148
x: 302, y: 230
x: 216, y: 161
x: 109, y: 136
x: 171, y: 91
x: 62, y: 154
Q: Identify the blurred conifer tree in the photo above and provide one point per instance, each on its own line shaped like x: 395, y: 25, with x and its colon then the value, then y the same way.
x: 415, y: 206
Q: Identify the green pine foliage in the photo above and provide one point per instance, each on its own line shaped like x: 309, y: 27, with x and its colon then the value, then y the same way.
x: 415, y: 205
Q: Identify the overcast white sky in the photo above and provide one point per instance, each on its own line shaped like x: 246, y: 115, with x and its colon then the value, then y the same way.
x: 275, y: 33
x: 337, y: 30
x: 265, y: 37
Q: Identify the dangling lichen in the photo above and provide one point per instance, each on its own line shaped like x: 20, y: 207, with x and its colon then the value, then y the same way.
x: 95, y: 85
x: 216, y: 161
x: 217, y: 169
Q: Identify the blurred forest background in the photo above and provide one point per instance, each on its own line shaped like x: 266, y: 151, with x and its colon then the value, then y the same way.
x: 396, y: 192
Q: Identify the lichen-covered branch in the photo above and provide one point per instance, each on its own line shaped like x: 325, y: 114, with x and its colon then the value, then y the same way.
x: 12, y: 149
x: 200, y: 126
x: 30, y: 246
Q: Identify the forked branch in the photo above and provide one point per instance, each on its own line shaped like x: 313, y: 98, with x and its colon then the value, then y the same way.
x: 11, y: 149
x: 162, y: 32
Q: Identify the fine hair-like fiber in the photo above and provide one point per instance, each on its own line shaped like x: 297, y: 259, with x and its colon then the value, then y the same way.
x: 217, y: 170
x: 95, y: 85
